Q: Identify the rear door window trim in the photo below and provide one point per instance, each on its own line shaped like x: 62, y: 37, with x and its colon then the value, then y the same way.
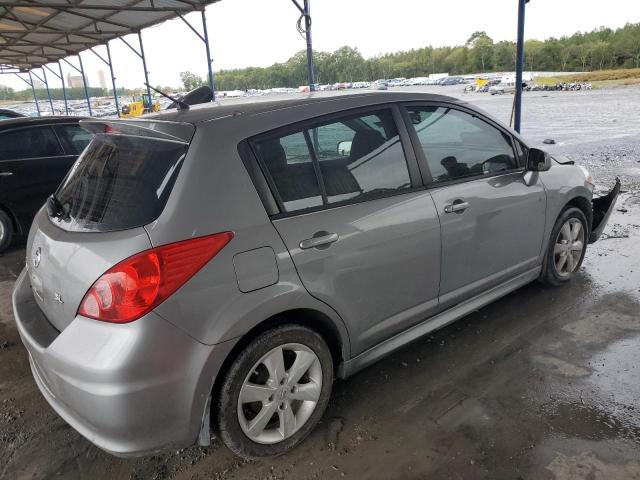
x: 303, y: 126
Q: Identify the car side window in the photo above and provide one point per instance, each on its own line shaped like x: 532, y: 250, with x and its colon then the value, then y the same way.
x: 78, y: 138
x: 355, y: 158
x: 32, y: 142
x: 289, y: 163
x: 459, y: 145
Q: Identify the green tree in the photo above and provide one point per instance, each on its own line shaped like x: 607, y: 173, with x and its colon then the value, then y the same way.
x: 481, y: 46
x: 190, y: 80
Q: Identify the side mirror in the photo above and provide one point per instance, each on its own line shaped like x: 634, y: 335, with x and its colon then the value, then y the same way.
x: 538, y: 160
x: 344, y: 148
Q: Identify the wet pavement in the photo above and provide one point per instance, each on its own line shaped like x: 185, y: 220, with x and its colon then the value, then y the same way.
x: 542, y: 384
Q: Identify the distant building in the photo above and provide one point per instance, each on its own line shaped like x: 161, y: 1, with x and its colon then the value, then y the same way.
x: 75, y: 81
x: 102, y: 82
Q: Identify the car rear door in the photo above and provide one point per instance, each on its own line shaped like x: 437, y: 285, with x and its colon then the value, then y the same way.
x: 362, y: 231
x: 492, y: 221
x: 32, y: 164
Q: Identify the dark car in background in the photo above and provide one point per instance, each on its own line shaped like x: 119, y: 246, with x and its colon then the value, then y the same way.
x: 4, y: 114
x: 450, y: 81
x: 35, y: 155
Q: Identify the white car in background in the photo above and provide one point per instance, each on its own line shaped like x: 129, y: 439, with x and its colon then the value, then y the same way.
x: 503, y: 87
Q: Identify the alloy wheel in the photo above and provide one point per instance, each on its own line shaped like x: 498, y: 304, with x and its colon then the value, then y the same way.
x: 280, y: 393
x: 568, y: 248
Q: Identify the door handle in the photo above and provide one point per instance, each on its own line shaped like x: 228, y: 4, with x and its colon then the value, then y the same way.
x: 6, y: 174
x: 320, y: 239
x: 457, y: 206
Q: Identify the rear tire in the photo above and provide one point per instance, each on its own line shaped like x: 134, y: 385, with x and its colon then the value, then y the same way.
x: 6, y: 231
x: 264, y: 383
x: 567, y: 247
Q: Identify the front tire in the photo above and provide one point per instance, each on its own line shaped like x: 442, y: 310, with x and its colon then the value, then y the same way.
x: 275, y: 392
x: 567, y: 247
x: 6, y: 231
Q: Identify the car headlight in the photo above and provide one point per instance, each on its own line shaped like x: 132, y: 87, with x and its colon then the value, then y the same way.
x: 587, y: 175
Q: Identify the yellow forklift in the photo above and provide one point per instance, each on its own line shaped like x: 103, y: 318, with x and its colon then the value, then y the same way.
x: 140, y: 106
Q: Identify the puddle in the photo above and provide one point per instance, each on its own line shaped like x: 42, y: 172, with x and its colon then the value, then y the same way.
x: 588, y: 422
x: 616, y: 373
x: 607, y: 406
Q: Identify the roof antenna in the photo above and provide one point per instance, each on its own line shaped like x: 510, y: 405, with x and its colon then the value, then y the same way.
x: 180, y: 103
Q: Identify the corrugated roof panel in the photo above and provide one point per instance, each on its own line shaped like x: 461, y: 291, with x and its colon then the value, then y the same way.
x: 65, y: 29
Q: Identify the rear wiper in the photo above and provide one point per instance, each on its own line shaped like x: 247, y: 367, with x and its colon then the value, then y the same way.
x: 55, y: 208
x: 180, y: 103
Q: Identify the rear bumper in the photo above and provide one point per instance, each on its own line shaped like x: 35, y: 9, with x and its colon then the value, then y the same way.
x: 602, y: 208
x: 130, y: 389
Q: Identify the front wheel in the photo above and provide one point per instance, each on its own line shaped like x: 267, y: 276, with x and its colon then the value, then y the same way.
x: 567, y: 247
x: 275, y: 392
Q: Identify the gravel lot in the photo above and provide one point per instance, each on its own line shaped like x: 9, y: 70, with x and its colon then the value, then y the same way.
x: 544, y: 383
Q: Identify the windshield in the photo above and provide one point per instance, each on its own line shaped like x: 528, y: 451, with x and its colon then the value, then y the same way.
x: 119, y: 182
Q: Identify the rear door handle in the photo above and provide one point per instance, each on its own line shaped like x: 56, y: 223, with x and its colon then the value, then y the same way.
x: 6, y: 174
x: 320, y: 239
x: 457, y: 206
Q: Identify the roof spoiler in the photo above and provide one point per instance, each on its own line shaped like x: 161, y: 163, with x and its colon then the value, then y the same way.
x: 162, y: 130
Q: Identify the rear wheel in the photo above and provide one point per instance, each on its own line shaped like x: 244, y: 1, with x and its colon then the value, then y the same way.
x: 6, y: 231
x: 275, y: 392
x: 567, y: 247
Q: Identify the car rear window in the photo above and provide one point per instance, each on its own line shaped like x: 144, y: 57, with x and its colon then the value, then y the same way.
x: 119, y: 182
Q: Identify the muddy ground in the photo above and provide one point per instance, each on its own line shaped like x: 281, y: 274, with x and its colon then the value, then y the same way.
x: 544, y: 383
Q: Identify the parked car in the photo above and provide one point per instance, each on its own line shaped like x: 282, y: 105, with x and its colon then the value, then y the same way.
x: 35, y: 155
x: 450, y: 81
x: 216, y: 268
x: 490, y: 83
x: 5, y: 113
x: 503, y: 87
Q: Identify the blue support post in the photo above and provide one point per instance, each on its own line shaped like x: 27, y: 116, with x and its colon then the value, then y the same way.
x: 519, y: 65
x: 34, y: 92
x: 305, y: 13
x: 84, y: 83
x: 46, y: 84
x: 307, y: 24
x: 64, y: 89
x: 146, y: 73
x: 209, y: 66
x: 113, y: 81
x: 113, y: 78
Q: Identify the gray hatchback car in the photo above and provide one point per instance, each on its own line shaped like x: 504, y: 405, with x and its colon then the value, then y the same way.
x: 212, y: 270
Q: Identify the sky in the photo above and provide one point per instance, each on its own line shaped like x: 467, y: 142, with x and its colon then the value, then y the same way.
x: 261, y: 32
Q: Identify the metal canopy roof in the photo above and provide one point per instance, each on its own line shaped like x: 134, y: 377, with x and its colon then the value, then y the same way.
x: 34, y: 33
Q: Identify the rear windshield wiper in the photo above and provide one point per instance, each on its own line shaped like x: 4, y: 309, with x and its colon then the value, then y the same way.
x: 55, y: 208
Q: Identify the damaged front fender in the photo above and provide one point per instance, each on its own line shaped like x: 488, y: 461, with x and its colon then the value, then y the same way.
x: 602, y: 208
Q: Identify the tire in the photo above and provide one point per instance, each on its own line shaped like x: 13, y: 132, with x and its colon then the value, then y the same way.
x: 234, y: 418
x: 555, y: 270
x: 6, y: 231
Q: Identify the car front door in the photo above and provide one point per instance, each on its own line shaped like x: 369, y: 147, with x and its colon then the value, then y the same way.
x: 363, y: 233
x: 32, y: 164
x: 492, y: 221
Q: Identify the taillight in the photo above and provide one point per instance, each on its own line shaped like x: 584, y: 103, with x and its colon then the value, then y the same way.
x: 140, y: 283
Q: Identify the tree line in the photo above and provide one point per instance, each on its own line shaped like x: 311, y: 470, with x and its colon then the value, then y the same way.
x: 602, y: 48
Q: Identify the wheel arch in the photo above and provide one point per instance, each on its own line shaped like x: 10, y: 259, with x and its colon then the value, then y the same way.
x: 583, y: 205
x: 307, y: 317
